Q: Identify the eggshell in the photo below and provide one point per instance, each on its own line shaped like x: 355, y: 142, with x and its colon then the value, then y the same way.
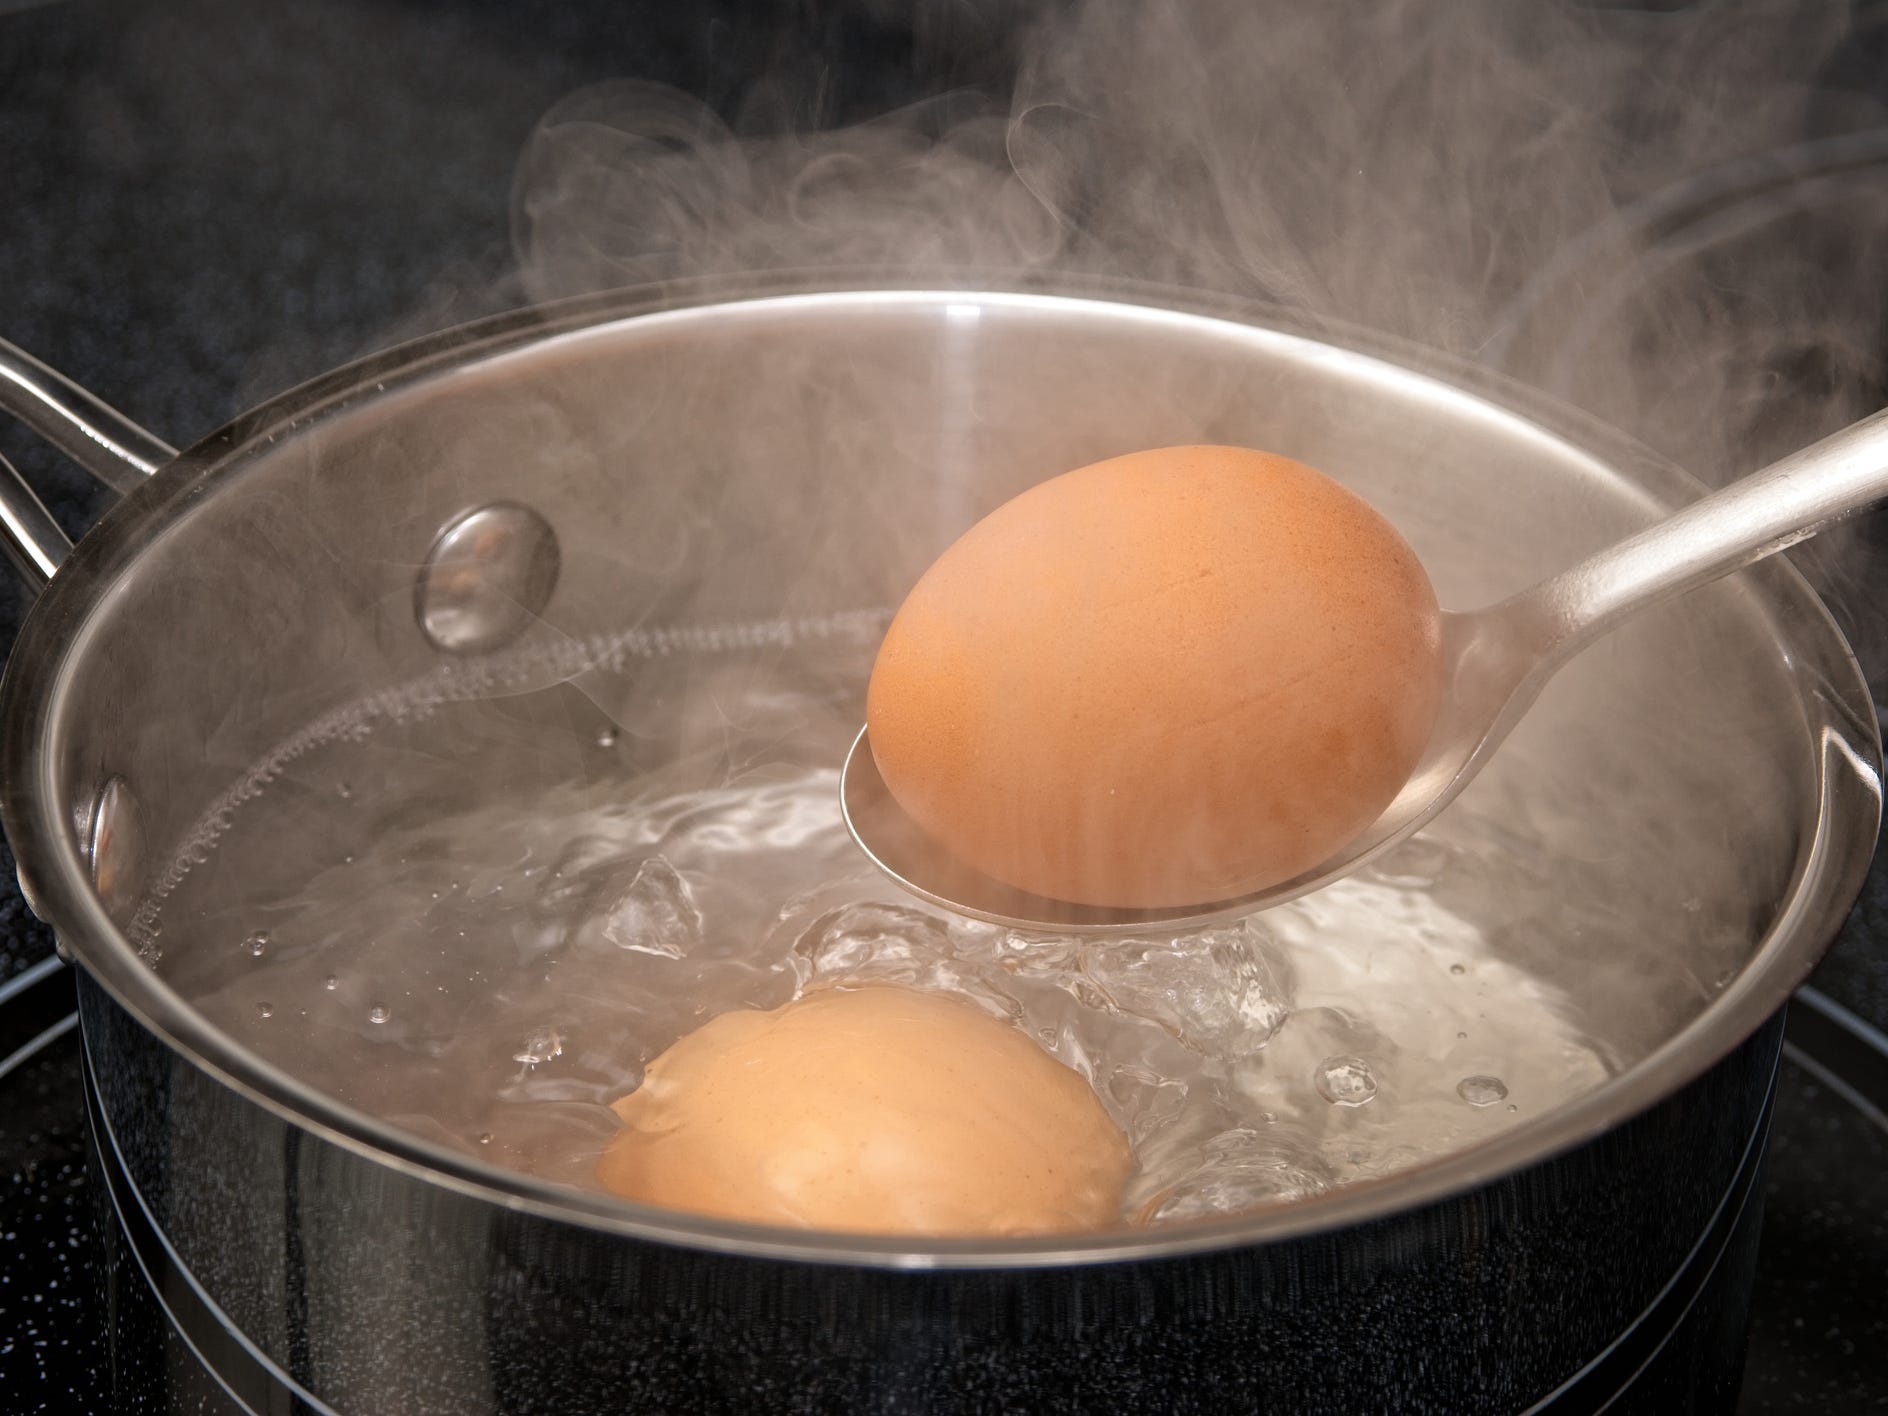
x: 1168, y: 678
x: 883, y: 1110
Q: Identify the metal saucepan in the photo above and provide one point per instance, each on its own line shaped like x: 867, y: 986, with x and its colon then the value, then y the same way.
x: 745, y: 453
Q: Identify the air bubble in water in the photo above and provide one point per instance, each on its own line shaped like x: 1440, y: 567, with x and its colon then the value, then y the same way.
x: 1243, y: 1169
x: 330, y: 983
x: 655, y: 913
x: 870, y: 942
x: 266, y: 1010
x: 894, y: 942
x: 1415, y: 865
x: 256, y: 944
x: 379, y: 1013
x: 1458, y: 969
x: 1481, y: 1091
x: 1145, y: 1097
x: 1221, y: 991
x: 1345, y: 1081
x: 1031, y: 955
x: 485, y: 1138
x: 344, y: 790
x: 607, y: 738
x: 541, y: 1046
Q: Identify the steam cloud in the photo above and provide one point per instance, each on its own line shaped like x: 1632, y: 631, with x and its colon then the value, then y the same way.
x: 1415, y: 167
x: 1663, y: 215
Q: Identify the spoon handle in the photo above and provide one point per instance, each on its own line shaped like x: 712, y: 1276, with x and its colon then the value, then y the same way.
x: 1757, y: 516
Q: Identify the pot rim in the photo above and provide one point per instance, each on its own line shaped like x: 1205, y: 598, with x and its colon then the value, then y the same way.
x: 1839, y: 720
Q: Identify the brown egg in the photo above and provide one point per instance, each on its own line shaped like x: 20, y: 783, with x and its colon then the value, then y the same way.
x: 881, y: 1110
x: 1167, y: 678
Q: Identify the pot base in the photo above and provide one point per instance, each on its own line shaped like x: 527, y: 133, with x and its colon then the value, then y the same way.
x: 1614, y: 1277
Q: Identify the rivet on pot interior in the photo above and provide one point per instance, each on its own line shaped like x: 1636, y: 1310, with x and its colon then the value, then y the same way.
x: 111, y: 838
x: 489, y: 573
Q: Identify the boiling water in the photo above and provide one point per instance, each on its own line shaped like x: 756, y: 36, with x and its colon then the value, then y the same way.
x: 481, y: 921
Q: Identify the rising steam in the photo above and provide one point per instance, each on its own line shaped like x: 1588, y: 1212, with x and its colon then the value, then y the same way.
x: 1416, y: 167
x: 1509, y: 183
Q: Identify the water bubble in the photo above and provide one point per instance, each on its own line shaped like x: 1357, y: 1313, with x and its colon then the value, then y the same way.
x: 607, y: 738
x: 256, y: 944
x: 347, y: 859
x: 1221, y: 992
x: 871, y: 942
x: 1243, y: 1169
x: 379, y: 1013
x: 344, y: 790
x: 1345, y: 1081
x: 330, y: 983
x: 1482, y: 1091
x: 655, y: 913
x: 266, y: 1010
x: 1032, y: 955
x: 485, y: 1138
x: 1458, y: 969
x: 1145, y: 1097
x: 1415, y: 865
x: 869, y: 938
x: 541, y: 1046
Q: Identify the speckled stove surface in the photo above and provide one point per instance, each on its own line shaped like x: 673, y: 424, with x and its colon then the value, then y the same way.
x: 209, y: 201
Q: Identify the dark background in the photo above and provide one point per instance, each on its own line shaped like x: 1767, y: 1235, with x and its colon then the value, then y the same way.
x: 205, y: 202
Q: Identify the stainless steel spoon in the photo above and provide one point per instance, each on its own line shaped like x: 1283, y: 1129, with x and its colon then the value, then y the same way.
x: 1495, y: 662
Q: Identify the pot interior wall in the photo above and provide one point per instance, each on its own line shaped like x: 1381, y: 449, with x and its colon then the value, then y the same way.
x: 733, y: 469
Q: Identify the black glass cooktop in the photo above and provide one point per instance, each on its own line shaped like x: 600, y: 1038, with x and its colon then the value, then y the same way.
x: 209, y: 201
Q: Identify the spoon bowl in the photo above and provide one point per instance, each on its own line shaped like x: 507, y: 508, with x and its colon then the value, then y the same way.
x: 1495, y: 661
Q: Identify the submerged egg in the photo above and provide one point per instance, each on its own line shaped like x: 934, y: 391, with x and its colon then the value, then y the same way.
x: 1167, y: 678
x: 881, y: 1110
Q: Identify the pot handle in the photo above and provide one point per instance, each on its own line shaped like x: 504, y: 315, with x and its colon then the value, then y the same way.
x: 93, y: 434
